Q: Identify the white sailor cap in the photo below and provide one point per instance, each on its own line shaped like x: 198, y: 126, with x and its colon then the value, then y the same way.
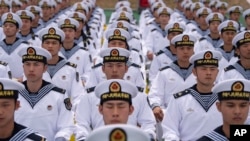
x: 118, y: 34
x: 12, y: 18
x: 185, y: 2
x: 78, y: 16
x: 215, y: 16
x: 241, y: 38
x: 123, y: 15
x: 51, y: 33
x: 68, y: 23
x: 221, y: 5
x: 25, y: 14
x: 151, y: 2
x: 114, y: 54
x: 157, y: 5
x: 9, y: 88
x: 175, y: 27
x: 228, y: 25
x: 16, y: 3
x: 205, y: 1
x: 122, y: 24
x: 45, y: 4
x: 80, y: 6
x: 232, y: 89
x: 183, y: 40
x: 122, y: 3
x: 125, y: 8
x: 235, y: 9
x: 203, y: 11
x: 196, y: 5
x: 116, y: 89
x: 34, y: 54
x: 5, y: 3
x: 115, y: 132
x: 246, y: 13
x: 187, y: 6
x: 206, y: 57
x: 213, y: 3
x: 34, y: 9
x: 164, y: 10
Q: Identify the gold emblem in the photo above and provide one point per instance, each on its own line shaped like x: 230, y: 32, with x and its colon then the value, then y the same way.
x: 237, y: 9
x: 230, y: 24
x: 23, y: 13
x: 31, y: 51
x: 45, y: 4
x: 237, y: 86
x: 208, y: 55
x: 117, y: 32
x: 67, y: 21
x: 159, y: 5
x: 115, y: 87
x: 185, y: 38
x: 114, y: 52
x: 52, y: 31
x: 205, y: 12
x: 120, y: 25
x: 118, y: 135
x: 215, y: 16
x: 79, y: 6
x: 197, y: 6
x: 49, y: 107
x: 176, y: 26
x: 247, y: 35
x: 75, y: 15
x: 9, y: 16
x: 122, y: 15
x: 223, y: 5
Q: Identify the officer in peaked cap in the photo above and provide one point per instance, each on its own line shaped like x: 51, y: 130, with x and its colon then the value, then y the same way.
x: 118, y: 132
x: 236, y: 93
x: 11, y: 130
x: 205, y: 71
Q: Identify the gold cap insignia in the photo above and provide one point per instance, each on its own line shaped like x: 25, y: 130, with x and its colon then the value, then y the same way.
x: 9, y: 16
x: 67, y: 21
x: 117, y: 32
x: 185, y: 38
x: 176, y: 26
x: 238, y: 86
x: 120, y: 25
x: 52, y: 31
x: 115, y: 87
x: 31, y: 51
x: 114, y: 52
x: 208, y: 55
x: 247, y: 35
x: 118, y: 135
x: 79, y: 6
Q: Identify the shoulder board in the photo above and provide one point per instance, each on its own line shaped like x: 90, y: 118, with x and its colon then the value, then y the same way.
x: 202, y: 38
x: 193, y: 29
x: 60, y: 90
x: 84, y: 48
x: 159, y: 53
x: 180, y: 94
x: 97, y: 65
x: 135, y: 65
x: 25, y: 42
x: 3, y: 63
x: 135, y: 38
x: 166, y: 67
x: 153, y: 29
x: 89, y: 90
x: 36, y: 137
x: 140, y: 89
x: 71, y: 64
x: 229, y: 68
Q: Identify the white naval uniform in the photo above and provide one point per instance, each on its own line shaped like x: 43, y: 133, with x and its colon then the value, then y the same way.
x: 9, y: 54
x: 4, y: 70
x: 168, y: 82
x: 133, y: 75
x: 22, y: 133
x: 48, y: 113
x: 187, y: 119
x: 163, y: 58
x: 89, y: 118
x: 65, y: 76
x: 79, y: 56
x: 227, y: 58
x: 31, y: 39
